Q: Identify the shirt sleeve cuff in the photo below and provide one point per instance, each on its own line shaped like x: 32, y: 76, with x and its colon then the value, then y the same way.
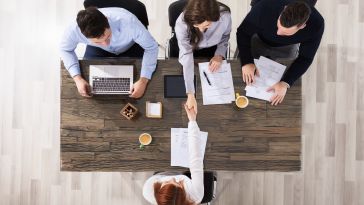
x: 146, y: 73
x: 288, y: 86
x: 192, y: 123
x: 74, y: 70
x: 220, y: 52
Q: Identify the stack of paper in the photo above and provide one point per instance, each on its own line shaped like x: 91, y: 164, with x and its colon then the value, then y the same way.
x: 220, y: 90
x: 270, y: 72
x: 179, y: 146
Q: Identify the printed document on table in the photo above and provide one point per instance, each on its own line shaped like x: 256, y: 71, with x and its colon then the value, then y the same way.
x: 179, y: 146
x: 221, y: 90
x: 270, y: 72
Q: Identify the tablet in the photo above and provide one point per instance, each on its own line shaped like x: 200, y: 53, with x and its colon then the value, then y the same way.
x: 174, y: 86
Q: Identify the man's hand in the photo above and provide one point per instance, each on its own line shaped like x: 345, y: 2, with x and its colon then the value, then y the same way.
x: 280, y: 90
x: 191, y: 102
x: 248, y: 72
x: 139, y: 88
x: 82, y: 86
x: 191, y: 113
x: 215, y: 63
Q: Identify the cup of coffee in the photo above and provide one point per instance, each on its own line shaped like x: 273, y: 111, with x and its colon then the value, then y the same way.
x: 241, y: 101
x: 145, y: 139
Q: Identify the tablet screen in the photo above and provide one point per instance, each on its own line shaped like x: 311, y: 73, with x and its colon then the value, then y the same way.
x: 174, y: 86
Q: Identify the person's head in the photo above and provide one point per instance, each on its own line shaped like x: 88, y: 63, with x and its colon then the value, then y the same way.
x: 293, y: 18
x: 199, y: 14
x: 94, y: 25
x: 170, y: 192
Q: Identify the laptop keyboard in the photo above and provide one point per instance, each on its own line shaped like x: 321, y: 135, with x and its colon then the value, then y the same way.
x: 104, y: 85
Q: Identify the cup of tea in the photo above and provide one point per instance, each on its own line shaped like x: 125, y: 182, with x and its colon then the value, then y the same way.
x: 241, y: 101
x: 145, y: 139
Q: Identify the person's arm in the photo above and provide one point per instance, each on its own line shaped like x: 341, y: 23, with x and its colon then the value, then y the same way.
x: 306, y: 55
x: 222, y: 46
x: 246, y: 30
x: 142, y: 37
x: 195, y: 160
x: 185, y: 54
x: 67, y: 49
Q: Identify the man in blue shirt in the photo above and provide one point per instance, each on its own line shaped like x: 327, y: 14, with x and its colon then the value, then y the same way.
x: 114, y: 31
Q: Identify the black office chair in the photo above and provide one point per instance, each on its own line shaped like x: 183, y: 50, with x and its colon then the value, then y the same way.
x: 174, y: 10
x: 310, y: 2
x: 172, y: 50
x: 134, y: 6
x: 209, y: 181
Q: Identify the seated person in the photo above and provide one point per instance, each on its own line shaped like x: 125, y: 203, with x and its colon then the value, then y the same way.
x: 164, y: 188
x: 108, y: 32
x: 279, y: 23
x: 202, y: 25
x: 134, y: 6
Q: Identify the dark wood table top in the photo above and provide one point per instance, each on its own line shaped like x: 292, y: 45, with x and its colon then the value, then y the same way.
x: 95, y: 137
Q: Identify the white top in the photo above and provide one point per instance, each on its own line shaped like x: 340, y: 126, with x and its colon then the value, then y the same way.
x: 194, y: 187
x: 217, y: 34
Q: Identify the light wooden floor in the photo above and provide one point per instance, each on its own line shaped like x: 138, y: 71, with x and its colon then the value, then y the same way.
x: 333, y: 121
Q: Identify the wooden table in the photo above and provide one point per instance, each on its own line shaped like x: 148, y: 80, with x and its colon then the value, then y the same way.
x: 95, y: 137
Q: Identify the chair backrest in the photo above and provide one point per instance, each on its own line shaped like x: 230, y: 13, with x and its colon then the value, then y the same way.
x: 310, y: 2
x: 133, y: 6
x: 174, y: 10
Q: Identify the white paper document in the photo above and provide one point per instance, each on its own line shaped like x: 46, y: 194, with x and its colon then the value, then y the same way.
x: 179, y: 146
x: 270, y: 72
x: 220, y: 90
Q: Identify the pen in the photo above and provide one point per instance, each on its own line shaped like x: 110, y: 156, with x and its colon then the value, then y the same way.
x: 207, y: 78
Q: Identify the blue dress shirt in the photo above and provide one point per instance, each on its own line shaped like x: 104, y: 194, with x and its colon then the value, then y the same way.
x: 126, y: 30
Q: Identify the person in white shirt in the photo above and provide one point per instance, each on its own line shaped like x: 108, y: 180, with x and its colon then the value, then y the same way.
x: 203, y: 24
x: 165, y: 189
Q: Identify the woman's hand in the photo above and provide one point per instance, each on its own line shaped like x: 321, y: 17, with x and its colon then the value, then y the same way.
x: 215, y: 63
x: 191, y: 102
x: 191, y: 114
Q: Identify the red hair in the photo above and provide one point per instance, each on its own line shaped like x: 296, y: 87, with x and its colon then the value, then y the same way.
x: 170, y: 194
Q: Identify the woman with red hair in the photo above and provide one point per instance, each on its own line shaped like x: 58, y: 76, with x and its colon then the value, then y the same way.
x: 167, y: 189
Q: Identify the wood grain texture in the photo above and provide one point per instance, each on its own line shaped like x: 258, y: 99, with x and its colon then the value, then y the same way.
x: 94, y: 136
x: 30, y: 117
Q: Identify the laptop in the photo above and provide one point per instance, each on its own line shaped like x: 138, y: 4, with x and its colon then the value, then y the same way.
x: 111, y: 79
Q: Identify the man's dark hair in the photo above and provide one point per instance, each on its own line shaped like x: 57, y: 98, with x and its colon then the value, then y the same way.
x: 295, y: 14
x: 92, y: 22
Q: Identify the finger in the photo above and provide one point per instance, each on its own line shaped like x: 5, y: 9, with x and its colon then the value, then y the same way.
x: 273, y: 98
x: 253, y: 78
x: 257, y: 72
x: 244, y: 77
x: 281, y: 100
x: 249, y: 78
x: 195, y: 108
x: 270, y: 89
x: 275, y: 101
x: 134, y: 94
x: 214, y: 67
x: 186, y: 107
x: 211, y: 67
x: 218, y: 66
